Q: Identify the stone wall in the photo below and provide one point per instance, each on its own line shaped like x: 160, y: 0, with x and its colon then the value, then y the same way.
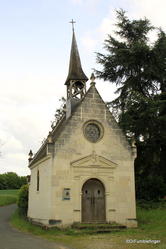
x: 71, y: 145
x: 39, y: 206
x: 74, y: 160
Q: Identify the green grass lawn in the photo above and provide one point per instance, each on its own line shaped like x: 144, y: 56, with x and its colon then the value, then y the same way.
x: 152, y: 226
x: 8, y: 196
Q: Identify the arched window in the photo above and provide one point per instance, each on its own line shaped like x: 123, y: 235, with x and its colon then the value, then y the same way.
x: 38, y: 179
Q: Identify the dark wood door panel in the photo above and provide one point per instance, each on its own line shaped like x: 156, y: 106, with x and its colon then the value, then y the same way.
x: 93, y: 201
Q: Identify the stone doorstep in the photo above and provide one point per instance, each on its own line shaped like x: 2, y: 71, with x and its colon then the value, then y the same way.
x: 92, y: 227
x: 98, y: 226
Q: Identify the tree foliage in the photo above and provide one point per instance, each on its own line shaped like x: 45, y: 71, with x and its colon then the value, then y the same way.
x: 138, y: 68
x: 11, y: 180
x: 60, y: 112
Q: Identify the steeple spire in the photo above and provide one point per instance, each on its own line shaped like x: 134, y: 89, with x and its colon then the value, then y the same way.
x: 76, y: 79
x: 75, y: 68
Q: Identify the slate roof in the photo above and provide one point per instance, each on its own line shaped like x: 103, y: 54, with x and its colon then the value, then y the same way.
x: 75, y: 68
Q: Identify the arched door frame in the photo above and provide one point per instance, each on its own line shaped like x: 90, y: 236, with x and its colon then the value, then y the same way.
x: 93, y: 201
x: 97, y: 178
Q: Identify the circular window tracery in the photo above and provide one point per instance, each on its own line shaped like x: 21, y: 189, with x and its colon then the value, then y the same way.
x: 93, y: 131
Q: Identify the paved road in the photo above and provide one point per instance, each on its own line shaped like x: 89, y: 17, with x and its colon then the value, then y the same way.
x: 11, y: 238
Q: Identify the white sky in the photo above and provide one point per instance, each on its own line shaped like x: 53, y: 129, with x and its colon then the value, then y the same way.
x: 35, y: 45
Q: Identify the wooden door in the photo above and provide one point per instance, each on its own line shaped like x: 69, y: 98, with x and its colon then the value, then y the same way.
x: 93, y: 201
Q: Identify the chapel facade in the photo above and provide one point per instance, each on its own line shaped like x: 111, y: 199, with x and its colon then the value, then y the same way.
x: 84, y: 171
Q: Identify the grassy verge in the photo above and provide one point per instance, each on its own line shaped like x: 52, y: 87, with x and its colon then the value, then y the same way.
x: 152, y: 226
x: 8, y: 196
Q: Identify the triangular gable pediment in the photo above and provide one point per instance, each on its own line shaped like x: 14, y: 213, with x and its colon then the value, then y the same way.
x: 94, y: 160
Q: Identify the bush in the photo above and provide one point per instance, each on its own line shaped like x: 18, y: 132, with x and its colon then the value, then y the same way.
x: 23, y: 199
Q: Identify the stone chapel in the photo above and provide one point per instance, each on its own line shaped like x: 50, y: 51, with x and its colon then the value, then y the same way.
x: 84, y: 171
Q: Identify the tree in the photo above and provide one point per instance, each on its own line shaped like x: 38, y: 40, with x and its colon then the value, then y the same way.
x: 138, y: 69
x: 160, y: 77
x: 60, y: 112
x: 22, y: 181
x: 3, y: 184
x: 11, y: 180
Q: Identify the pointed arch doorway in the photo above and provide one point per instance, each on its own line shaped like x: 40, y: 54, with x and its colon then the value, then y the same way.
x: 93, y: 201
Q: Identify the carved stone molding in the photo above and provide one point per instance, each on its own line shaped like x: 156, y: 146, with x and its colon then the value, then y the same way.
x: 93, y: 160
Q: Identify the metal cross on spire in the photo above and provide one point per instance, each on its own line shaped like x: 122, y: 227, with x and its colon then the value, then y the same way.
x: 72, y: 22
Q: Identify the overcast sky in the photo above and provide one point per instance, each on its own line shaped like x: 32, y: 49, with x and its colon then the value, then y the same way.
x: 35, y: 41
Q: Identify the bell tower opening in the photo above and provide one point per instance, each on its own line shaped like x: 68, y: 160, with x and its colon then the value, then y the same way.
x: 76, y: 89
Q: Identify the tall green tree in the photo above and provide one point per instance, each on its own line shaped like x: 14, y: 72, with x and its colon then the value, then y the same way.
x: 138, y: 69
x: 160, y: 77
x: 11, y: 180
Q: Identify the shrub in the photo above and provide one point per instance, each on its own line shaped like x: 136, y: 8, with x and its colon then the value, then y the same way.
x: 23, y: 199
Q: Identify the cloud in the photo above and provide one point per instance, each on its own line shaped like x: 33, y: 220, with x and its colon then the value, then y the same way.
x: 27, y: 106
x: 76, y: 1
x: 136, y: 9
x: 13, y: 144
x: 152, y: 9
x: 86, y: 2
x: 14, y: 162
x: 90, y: 6
x: 17, y: 156
x: 13, y: 154
x: 94, y: 39
x: 106, y: 26
x: 88, y: 42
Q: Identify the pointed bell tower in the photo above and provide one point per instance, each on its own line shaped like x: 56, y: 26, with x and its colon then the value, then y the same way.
x: 76, y: 79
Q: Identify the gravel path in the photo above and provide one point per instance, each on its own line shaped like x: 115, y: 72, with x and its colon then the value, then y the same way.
x: 11, y: 238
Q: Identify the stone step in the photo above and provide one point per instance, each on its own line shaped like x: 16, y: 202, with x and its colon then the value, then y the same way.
x: 98, y: 226
x: 103, y: 231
